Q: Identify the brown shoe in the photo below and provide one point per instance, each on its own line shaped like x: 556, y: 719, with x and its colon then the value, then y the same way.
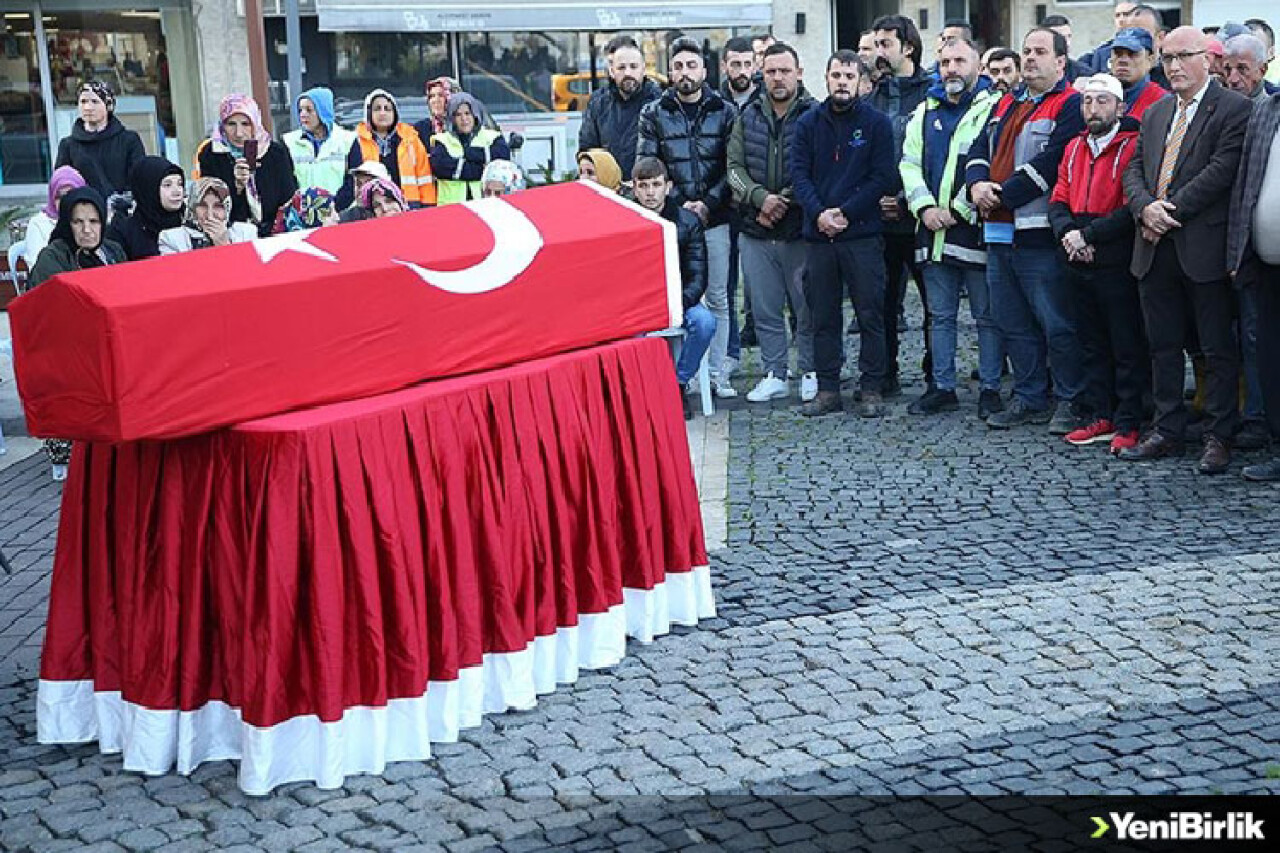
x: 1216, y: 457
x: 826, y: 403
x: 1154, y: 446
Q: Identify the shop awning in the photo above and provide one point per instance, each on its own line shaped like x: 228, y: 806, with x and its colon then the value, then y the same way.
x: 397, y: 16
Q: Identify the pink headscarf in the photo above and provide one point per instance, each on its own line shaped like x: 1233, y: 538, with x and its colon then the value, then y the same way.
x: 247, y: 107
x: 63, y: 176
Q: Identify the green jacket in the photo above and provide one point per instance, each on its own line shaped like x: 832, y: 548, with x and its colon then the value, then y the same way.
x: 963, y: 242
x: 58, y: 257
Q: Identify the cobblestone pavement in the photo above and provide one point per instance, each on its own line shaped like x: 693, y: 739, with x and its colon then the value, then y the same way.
x: 907, y: 606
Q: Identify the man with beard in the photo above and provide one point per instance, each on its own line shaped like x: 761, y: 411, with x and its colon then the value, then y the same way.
x: 1012, y: 168
x: 1132, y: 55
x: 770, y: 222
x: 841, y: 166
x: 1004, y: 67
x: 687, y: 128
x: 949, y: 238
x: 609, y: 121
x: 1095, y: 229
x: 867, y: 53
x: 1178, y: 187
x: 902, y: 87
x: 738, y: 68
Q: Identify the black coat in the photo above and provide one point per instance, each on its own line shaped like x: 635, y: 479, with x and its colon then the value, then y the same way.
x: 695, y: 153
x: 139, y: 231
x: 105, y: 158
x: 274, y: 177
x: 693, y: 251
x: 610, y: 120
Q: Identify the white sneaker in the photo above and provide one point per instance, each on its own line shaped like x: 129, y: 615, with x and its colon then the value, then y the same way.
x: 722, y: 389
x: 808, y: 387
x: 769, y: 388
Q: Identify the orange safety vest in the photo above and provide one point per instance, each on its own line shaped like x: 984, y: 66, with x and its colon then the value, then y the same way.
x: 416, y: 180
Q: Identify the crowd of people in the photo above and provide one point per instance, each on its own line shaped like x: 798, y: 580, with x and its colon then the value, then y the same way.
x: 1106, y: 217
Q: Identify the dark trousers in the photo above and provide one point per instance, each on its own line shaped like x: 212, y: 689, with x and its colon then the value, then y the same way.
x: 735, y: 344
x: 899, y: 261
x: 1169, y: 301
x: 1269, y: 343
x: 860, y: 264
x: 1113, y: 344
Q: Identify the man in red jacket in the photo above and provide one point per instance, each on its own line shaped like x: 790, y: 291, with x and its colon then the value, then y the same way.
x: 1095, y: 231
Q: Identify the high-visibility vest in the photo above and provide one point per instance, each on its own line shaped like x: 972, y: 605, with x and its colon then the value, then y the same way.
x: 454, y: 190
x: 416, y: 181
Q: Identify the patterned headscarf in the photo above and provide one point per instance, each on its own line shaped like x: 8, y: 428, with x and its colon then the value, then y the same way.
x: 439, y: 124
x: 102, y: 91
x: 380, y: 187
x: 63, y: 176
x: 201, y: 188
x: 307, y: 209
x: 506, y: 173
x: 247, y: 107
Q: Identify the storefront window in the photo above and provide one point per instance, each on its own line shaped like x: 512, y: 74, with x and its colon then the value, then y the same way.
x: 24, y: 137
x: 399, y: 63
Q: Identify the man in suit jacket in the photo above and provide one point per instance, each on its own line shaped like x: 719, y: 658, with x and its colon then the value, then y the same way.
x: 1179, y: 190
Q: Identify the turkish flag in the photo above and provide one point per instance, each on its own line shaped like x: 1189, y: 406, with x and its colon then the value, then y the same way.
x: 183, y: 344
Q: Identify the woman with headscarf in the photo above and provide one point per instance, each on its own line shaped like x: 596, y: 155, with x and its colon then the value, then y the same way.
x: 40, y: 226
x: 100, y: 148
x: 382, y: 199
x: 501, y: 177
x: 207, y: 221
x: 599, y: 166
x: 396, y: 145
x: 258, y: 188
x: 319, y: 147
x: 438, y: 92
x: 77, y: 243
x: 159, y: 196
x: 309, y: 208
x: 459, y: 155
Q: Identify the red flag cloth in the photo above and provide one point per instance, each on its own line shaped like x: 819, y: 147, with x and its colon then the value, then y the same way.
x: 345, y: 556
x: 182, y: 344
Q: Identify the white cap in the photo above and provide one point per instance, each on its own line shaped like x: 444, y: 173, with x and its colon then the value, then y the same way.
x: 1102, y: 83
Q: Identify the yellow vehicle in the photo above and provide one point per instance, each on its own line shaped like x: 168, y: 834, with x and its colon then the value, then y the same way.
x: 570, y: 92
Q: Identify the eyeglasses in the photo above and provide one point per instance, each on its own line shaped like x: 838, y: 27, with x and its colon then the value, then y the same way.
x: 1167, y: 59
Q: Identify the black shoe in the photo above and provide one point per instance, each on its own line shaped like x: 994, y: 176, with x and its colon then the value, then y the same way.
x: 1017, y: 414
x: 1253, y: 435
x: 892, y: 387
x: 990, y: 403
x: 1263, y: 472
x: 1154, y: 446
x: 747, y: 336
x: 826, y: 403
x: 1065, y: 420
x: 934, y: 401
x: 688, y: 406
x: 1216, y: 457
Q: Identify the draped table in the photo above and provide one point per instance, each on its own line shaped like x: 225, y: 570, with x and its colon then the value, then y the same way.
x: 322, y: 592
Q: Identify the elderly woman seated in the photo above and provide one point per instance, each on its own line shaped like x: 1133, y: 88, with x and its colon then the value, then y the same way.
x: 207, y: 220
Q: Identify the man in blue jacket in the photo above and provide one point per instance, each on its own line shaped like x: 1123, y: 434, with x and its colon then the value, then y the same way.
x: 842, y: 164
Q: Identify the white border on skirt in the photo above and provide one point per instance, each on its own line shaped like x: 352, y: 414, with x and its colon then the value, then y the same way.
x: 366, y: 739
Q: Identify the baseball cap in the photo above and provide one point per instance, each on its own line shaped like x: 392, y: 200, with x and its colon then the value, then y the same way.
x: 1103, y: 83
x: 373, y: 169
x: 1133, y: 38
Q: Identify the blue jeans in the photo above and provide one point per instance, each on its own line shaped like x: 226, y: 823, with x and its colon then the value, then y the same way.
x: 942, y: 283
x: 1036, y: 316
x: 699, y: 326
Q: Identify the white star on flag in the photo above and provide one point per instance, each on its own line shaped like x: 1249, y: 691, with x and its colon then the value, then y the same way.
x: 294, y: 241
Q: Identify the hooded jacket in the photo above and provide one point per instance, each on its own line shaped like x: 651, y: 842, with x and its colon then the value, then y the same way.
x: 694, y: 152
x: 758, y: 165
x: 693, y: 251
x: 610, y: 122
x: 62, y: 255
x: 319, y: 163
x: 139, y: 232
x: 105, y: 158
x: 843, y: 161
x: 402, y: 151
x: 459, y: 159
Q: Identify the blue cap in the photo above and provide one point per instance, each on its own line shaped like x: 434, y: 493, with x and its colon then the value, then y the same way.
x: 1133, y: 38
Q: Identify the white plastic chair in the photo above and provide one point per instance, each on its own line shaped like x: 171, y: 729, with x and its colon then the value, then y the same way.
x: 16, y: 251
x: 675, y: 338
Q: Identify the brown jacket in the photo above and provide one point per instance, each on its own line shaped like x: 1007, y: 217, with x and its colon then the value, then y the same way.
x: 1202, y: 180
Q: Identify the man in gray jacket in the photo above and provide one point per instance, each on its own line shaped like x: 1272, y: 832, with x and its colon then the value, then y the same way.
x: 772, y: 254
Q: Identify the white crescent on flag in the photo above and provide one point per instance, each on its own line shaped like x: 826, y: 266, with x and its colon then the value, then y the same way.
x: 516, y: 242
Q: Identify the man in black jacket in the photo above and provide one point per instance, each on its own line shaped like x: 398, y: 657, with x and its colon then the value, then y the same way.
x: 653, y: 190
x: 609, y: 121
x: 902, y: 87
x: 688, y: 130
x: 770, y: 220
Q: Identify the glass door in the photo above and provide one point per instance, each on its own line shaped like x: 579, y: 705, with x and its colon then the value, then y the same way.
x: 24, y: 128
